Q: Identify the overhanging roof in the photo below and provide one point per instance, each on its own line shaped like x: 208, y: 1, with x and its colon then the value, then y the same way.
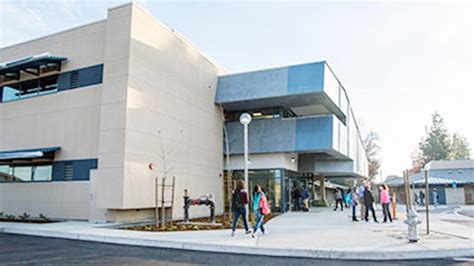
x: 30, y: 65
x: 27, y: 154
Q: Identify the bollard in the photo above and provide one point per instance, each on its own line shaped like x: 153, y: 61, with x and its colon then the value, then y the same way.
x: 412, y: 222
x: 394, y: 205
x: 186, y: 206
x: 213, y: 216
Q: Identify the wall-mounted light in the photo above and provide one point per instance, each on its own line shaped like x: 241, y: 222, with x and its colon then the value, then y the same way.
x: 293, y: 159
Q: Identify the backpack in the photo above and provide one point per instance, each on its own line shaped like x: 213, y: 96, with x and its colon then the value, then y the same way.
x: 264, y: 205
x: 236, y: 200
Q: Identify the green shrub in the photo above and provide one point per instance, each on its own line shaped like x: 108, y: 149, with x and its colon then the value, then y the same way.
x: 43, y: 217
x: 24, y: 216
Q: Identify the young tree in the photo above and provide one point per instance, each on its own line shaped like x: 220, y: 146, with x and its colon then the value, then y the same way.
x: 372, y: 149
x: 436, y: 146
x: 460, y: 148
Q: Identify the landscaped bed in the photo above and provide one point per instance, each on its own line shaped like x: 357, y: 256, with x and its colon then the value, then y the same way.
x: 199, y: 224
x: 25, y: 218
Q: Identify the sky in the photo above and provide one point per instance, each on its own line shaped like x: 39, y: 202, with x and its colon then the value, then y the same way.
x: 399, y: 61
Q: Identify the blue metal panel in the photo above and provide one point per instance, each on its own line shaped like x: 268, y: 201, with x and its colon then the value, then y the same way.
x: 314, y: 133
x: 90, y: 76
x: 299, y: 79
x: 283, y: 135
x: 58, y: 171
x: 306, y: 78
x: 80, y: 169
x: 252, y: 85
x: 265, y: 135
x: 64, y: 81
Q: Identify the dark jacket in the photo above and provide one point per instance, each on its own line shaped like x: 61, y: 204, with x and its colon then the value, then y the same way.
x: 244, y: 196
x: 368, y: 198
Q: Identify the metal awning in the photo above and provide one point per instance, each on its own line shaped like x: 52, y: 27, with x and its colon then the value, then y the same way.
x: 32, y: 65
x: 27, y: 154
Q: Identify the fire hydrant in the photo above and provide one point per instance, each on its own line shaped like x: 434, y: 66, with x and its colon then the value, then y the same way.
x: 412, y: 222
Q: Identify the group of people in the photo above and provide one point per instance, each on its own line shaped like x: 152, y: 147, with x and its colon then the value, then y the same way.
x: 363, y: 197
x: 260, y: 207
x: 301, y: 199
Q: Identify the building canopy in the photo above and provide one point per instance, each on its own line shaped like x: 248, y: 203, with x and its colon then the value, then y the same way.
x: 32, y: 65
x: 28, y: 154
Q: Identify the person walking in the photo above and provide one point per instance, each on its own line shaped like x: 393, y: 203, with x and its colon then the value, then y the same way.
x: 261, y: 207
x: 416, y: 198
x: 240, y: 199
x: 435, y: 198
x: 360, y: 194
x: 385, y: 201
x: 369, y: 204
x: 306, y: 197
x: 338, y: 196
x: 353, y: 201
x: 347, y: 198
x: 422, y: 198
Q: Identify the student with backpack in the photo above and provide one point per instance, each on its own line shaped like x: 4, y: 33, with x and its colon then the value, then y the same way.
x: 261, y: 207
x: 240, y: 199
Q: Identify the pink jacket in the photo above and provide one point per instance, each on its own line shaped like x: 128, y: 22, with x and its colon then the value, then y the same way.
x: 384, y: 197
x: 263, y: 204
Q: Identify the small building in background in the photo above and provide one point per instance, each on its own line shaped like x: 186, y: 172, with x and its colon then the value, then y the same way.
x: 452, y: 180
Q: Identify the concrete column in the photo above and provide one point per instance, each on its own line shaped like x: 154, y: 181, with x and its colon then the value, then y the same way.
x: 322, y: 188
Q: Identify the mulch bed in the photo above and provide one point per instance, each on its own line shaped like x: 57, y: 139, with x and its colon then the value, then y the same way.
x: 29, y: 221
x: 221, y: 223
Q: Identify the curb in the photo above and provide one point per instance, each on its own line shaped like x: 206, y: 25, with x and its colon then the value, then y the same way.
x: 272, y: 252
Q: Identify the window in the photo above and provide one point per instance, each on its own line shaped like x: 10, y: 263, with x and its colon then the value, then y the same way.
x: 269, y: 113
x: 53, y: 83
x: 22, y: 173
x: 26, y: 173
x: 6, y: 173
x: 42, y: 173
x: 30, y: 88
x: 11, y: 92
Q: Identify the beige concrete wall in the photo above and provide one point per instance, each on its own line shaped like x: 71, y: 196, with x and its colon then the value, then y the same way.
x: 154, y: 80
x: 108, y: 186
x: 55, y: 200
x: 171, y: 90
x: 67, y: 119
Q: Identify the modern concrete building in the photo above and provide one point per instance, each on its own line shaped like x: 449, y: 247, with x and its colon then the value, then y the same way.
x: 304, y: 129
x: 85, y: 111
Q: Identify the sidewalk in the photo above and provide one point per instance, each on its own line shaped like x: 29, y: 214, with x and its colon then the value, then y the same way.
x: 321, y: 233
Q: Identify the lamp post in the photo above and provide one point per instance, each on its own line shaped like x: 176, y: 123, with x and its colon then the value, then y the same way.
x: 427, y: 199
x: 245, y: 120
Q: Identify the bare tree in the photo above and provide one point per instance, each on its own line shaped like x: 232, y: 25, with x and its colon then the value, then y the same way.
x: 372, y: 149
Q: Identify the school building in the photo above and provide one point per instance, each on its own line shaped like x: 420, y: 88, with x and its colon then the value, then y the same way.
x: 85, y: 111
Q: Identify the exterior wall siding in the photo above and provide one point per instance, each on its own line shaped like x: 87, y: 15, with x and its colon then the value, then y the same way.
x: 283, y: 135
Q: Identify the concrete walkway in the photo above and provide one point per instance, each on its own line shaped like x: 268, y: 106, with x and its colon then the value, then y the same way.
x: 321, y: 233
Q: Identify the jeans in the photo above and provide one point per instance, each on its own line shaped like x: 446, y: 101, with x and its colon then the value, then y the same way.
x: 337, y: 203
x: 370, y: 208
x: 354, y: 212
x: 259, y: 222
x: 386, y: 212
x: 237, y: 213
